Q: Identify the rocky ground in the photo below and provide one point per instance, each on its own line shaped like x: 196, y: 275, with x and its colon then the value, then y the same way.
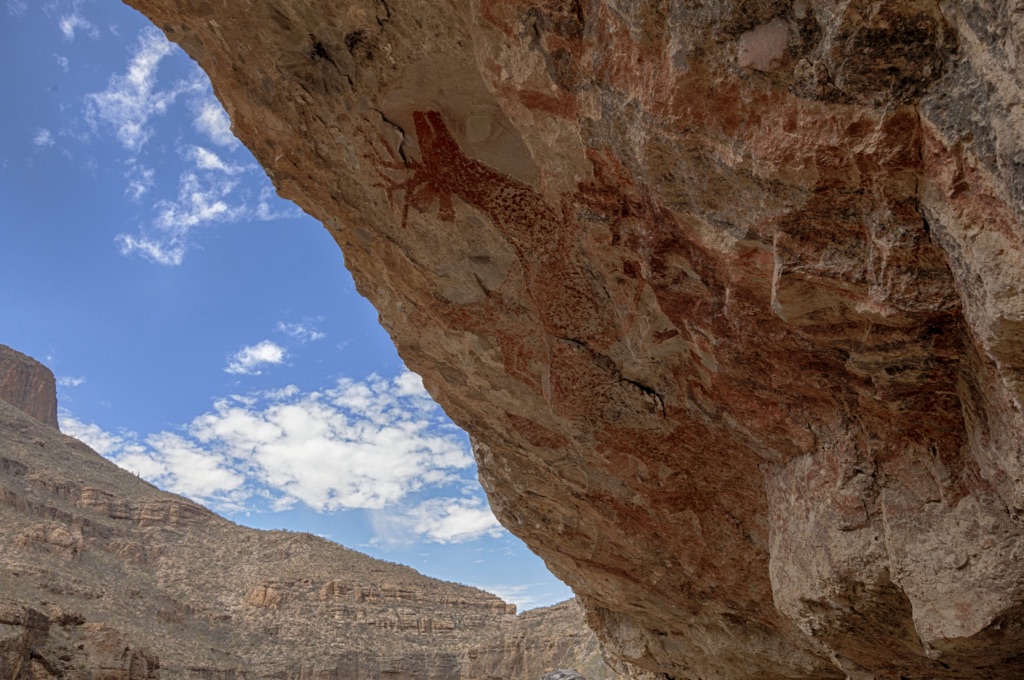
x: 105, y: 577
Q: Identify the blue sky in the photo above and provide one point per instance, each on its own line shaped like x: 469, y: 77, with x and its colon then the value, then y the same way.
x: 205, y: 333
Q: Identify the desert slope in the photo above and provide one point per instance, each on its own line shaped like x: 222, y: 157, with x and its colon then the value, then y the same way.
x: 102, y: 573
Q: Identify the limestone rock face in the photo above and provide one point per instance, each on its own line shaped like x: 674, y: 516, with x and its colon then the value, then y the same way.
x: 728, y: 295
x: 28, y: 385
x: 34, y: 646
x: 21, y: 629
x: 105, y: 577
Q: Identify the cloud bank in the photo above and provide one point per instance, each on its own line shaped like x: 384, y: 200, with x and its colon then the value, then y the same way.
x: 377, y: 444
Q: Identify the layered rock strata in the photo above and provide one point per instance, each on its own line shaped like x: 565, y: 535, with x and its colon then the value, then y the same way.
x: 103, y: 576
x: 28, y: 385
x: 34, y: 646
x: 728, y: 295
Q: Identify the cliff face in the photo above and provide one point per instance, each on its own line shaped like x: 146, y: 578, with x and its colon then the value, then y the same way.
x: 34, y: 646
x: 28, y: 385
x: 728, y: 295
x: 104, y: 576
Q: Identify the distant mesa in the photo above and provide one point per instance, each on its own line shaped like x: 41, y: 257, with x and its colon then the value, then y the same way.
x: 28, y: 385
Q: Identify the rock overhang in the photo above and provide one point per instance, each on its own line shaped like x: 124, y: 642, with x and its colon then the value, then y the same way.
x: 728, y: 297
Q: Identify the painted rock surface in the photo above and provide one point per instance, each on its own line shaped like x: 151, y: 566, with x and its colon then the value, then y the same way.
x: 728, y: 296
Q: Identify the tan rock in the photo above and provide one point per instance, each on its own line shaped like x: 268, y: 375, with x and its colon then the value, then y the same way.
x: 109, y: 578
x: 21, y: 630
x: 265, y: 595
x: 727, y: 294
x: 34, y: 646
x: 112, y: 656
x: 28, y: 385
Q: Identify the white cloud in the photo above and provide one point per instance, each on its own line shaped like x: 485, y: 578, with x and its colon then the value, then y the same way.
x: 435, y: 520
x: 169, y: 460
x: 212, y: 190
x: 43, y: 138
x: 208, y: 160
x: 189, y: 469
x: 99, y: 440
x: 301, y: 332
x: 140, y: 180
x: 519, y: 595
x: 213, y: 121
x: 206, y: 196
x: 16, y: 7
x: 453, y: 520
x: 249, y: 360
x: 70, y: 23
x: 265, y: 210
x: 279, y: 394
x: 70, y: 381
x: 201, y: 201
x: 359, y: 444
x: 198, y: 202
x: 411, y: 385
x: 169, y: 252
x: 132, y: 99
x: 63, y: 62
x: 139, y: 460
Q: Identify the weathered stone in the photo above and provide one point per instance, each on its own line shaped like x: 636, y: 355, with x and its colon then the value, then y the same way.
x: 22, y: 629
x: 28, y: 385
x: 110, y: 655
x: 34, y: 646
x: 109, y: 578
x: 727, y: 294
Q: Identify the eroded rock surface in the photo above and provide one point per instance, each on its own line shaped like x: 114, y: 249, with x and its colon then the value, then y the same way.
x: 28, y: 385
x: 728, y: 295
x: 105, y: 577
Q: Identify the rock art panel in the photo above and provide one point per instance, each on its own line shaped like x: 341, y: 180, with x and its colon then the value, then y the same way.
x: 727, y: 296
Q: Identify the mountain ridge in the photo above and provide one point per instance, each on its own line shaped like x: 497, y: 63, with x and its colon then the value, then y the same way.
x: 105, y: 573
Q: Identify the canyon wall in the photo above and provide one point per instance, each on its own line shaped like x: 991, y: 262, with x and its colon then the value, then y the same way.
x: 105, y: 577
x: 728, y: 296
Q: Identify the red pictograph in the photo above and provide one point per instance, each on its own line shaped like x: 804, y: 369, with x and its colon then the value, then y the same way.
x: 571, y: 302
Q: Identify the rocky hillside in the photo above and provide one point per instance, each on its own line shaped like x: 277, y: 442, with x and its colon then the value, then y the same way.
x: 104, y: 576
x: 728, y: 294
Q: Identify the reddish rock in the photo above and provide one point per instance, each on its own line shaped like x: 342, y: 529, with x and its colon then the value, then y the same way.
x: 728, y: 296
x: 28, y: 385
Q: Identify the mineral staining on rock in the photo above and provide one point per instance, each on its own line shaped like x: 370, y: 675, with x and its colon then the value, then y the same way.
x: 28, y: 386
x: 727, y: 294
